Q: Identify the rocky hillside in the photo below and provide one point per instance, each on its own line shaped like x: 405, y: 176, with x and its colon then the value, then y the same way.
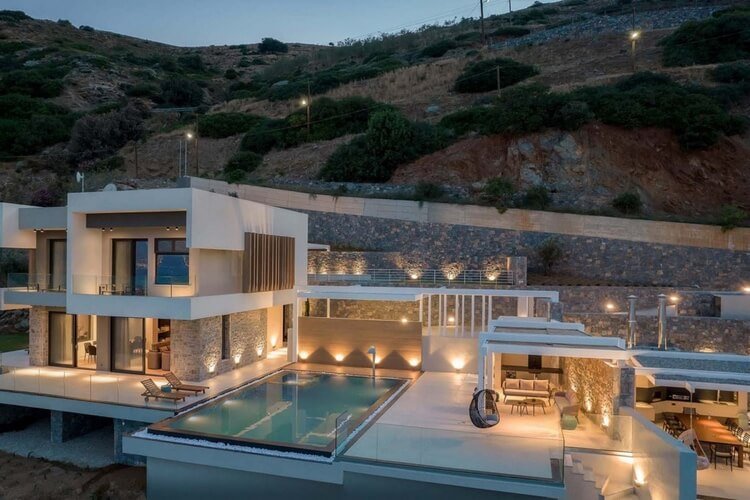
x: 105, y: 103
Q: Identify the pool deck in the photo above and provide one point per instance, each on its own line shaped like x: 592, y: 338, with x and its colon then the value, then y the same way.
x: 41, y: 386
x: 429, y: 425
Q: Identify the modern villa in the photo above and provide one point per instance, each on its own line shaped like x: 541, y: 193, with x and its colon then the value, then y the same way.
x: 193, y: 323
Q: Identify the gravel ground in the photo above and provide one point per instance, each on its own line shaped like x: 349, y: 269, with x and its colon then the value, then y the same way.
x: 92, y: 450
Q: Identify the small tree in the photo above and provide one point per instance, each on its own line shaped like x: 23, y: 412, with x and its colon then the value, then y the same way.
x: 271, y: 45
x: 499, y: 192
x: 731, y: 217
x: 549, y: 253
x: 537, y: 198
x: 628, y: 203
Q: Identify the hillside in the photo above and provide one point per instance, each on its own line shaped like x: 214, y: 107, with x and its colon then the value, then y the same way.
x: 107, y: 85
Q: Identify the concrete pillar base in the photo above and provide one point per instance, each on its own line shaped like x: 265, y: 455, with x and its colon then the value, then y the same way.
x: 65, y: 426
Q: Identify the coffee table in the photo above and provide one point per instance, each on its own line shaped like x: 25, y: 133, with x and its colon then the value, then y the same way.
x: 534, y: 402
x: 521, y: 405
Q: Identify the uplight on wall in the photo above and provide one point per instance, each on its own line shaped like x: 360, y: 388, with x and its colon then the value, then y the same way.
x: 451, y: 319
x: 273, y: 342
x: 237, y: 359
x: 746, y: 289
x: 674, y: 299
x: 303, y: 355
x: 610, y: 306
x: 414, y: 362
x: 339, y: 358
x: 259, y: 350
x: 458, y: 363
x: 605, y: 420
x: 404, y: 321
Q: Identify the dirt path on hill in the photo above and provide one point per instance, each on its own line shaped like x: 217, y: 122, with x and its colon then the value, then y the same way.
x: 31, y: 478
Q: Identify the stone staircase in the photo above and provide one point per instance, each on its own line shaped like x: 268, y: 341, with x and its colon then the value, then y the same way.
x: 598, y: 477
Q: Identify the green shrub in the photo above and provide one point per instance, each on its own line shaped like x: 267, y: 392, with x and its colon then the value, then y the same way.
x: 231, y: 74
x: 482, y: 76
x: 511, y: 31
x: 470, y: 37
x: 257, y: 61
x: 466, y: 120
x: 12, y: 47
x: 220, y: 125
x: 13, y: 16
x: 97, y: 136
x: 549, y: 252
x: 391, y: 140
x: 28, y: 125
x: 241, y: 164
x: 272, y: 46
x: 573, y: 115
x: 425, y: 191
x: 723, y: 38
x: 536, y: 198
x: 192, y: 63
x: 731, y: 217
x: 264, y: 136
x: 628, y: 203
x: 180, y: 92
x: 35, y: 83
x: 147, y: 90
x: 498, y: 192
x: 738, y: 72
x: 438, y: 49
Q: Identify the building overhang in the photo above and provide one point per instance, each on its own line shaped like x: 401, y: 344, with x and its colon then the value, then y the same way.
x: 413, y: 294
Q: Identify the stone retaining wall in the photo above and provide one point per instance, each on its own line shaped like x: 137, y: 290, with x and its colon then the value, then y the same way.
x: 612, y: 261
x: 687, y: 333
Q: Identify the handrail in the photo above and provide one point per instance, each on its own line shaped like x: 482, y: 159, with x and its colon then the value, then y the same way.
x: 494, y: 279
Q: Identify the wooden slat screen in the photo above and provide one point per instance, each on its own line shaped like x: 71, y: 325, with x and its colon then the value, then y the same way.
x: 268, y: 263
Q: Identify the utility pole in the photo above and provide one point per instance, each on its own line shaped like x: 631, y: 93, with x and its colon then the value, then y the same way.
x: 510, y: 11
x: 634, y: 35
x: 481, y: 19
x: 197, y: 164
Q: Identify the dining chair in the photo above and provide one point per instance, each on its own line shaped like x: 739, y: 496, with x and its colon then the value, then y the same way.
x: 723, y: 452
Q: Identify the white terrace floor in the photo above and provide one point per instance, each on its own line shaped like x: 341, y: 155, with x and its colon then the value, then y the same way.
x: 429, y: 426
x: 117, y: 388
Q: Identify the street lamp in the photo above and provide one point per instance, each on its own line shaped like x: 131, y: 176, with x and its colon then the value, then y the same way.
x: 634, y: 36
x: 307, y: 102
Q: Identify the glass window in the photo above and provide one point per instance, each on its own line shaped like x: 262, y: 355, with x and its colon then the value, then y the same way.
x: 128, y: 353
x: 129, y: 267
x: 172, y: 262
x: 61, y: 342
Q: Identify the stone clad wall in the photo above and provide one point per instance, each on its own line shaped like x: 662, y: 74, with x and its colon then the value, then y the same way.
x: 196, y: 345
x: 687, y: 333
x: 595, y: 383
x: 612, y: 261
x: 38, y: 336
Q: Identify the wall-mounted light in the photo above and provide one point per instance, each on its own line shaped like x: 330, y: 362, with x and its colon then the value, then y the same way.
x: 491, y: 277
x: 458, y: 363
x: 414, y: 276
x: 259, y: 350
x: 610, y: 306
x: 273, y: 342
x: 303, y: 355
x: 237, y: 358
x: 111, y: 229
x: 605, y: 420
x: 211, y: 367
x: 639, y: 476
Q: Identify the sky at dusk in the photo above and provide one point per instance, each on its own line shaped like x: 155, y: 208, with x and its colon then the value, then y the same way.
x: 218, y: 22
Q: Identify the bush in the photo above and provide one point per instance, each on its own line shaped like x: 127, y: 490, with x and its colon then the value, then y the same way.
x: 499, y: 192
x: 537, y: 198
x: 718, y: 39
x: 47, y: 197
x: 511, y: 31
x: 470, y: 37
x: 738, y: 72
x: 147, y: 90
x: 482, y: 76
x: 28, y: 125
x: 628, y: 203
x: 549, y: 253
x: 220, y: 125
x: 240, y: 165
x: 425, y: 191
x: 573, y: 115
x: 391, y: 140
x: 731, y: 217
x: 438, y: 49
x: 231, y: 74
x: 464, y: 121
x: 96, y: 136
x: 180, y: 92
x: 192, y: 63
x: 34, y: 83
x: 263, y: 137
x: 272, y: 46
x: 13, y: 16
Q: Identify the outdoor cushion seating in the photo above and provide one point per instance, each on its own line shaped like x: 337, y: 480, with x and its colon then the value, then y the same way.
x: 178, y: 385
x: 526, y: 388
x: 153, y: 391
x: 567, y: 403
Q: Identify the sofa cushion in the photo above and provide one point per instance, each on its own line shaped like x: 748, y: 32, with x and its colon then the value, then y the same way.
x: 541, y: 385
x: 511, y: 383
x: 527, y: 385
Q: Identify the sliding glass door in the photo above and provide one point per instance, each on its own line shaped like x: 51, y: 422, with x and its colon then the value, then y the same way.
x: 57, y: 265
x: 61, y: 340
x: 128, y: 345
x: 129, y: 267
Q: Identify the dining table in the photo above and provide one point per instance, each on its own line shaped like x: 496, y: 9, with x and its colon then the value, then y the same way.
x: 711, y: 431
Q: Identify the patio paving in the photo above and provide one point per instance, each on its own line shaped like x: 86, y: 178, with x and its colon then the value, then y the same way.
x: 429, y: 426
x: 723, y: 483
x: 118, y: 388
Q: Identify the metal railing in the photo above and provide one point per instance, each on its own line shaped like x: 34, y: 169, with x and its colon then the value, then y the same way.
x: 181, y: 286
x: 31, y: 282
x: 426, y: 277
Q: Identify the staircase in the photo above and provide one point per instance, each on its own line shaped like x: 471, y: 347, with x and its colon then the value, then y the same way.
x: 597, y: 477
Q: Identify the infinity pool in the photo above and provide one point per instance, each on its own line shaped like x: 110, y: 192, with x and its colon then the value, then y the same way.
x: 309, y: 412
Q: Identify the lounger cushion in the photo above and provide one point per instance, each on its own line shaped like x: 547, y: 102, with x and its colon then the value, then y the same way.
x: 527, y: 385
x: 541, y: 385
x: 511, y: 383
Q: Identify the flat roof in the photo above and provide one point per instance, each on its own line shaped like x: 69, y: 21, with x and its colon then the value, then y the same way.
x: 708, y: 362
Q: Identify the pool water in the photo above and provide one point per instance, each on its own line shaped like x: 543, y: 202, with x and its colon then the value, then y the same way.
x: 289, y: 410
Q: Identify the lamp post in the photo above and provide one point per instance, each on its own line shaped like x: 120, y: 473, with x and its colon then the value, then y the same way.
x: 634, y: 36
x: 307, y: 102
x: 189, y: 136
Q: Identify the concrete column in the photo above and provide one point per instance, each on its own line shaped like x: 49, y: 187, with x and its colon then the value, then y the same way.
x: 65, y: 426
x: 121, y: 429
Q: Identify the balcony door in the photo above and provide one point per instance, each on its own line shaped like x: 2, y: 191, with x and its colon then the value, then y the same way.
x: 58, y: 266
x: 129, y: 267
x: 128, y: 345
x: 62, y: 345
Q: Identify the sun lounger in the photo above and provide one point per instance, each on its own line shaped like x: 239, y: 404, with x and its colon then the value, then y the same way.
x: 153, y: 391
x: 177, y: 384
